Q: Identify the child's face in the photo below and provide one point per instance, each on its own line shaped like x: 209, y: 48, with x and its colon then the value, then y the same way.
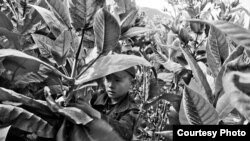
x: 117, y: 84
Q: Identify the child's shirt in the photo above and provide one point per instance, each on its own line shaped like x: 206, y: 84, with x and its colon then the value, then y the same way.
x: 121, y: 116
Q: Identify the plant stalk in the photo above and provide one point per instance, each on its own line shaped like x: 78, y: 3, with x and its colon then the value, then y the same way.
x: 89, y: 65
x: 73, y: 72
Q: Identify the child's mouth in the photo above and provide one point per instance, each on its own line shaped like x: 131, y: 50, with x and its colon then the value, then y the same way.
x: 111, y: 92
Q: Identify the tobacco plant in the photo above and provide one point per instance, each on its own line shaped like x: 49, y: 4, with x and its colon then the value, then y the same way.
x: 49, y: 49
x: 52, y: 52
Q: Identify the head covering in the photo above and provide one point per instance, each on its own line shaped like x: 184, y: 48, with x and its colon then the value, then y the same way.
x: 131, y: 71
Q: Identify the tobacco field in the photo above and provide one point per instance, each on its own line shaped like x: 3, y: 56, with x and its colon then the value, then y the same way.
x: 192, y: 59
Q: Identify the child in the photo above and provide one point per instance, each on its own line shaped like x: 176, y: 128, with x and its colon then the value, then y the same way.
x: 115, y: 105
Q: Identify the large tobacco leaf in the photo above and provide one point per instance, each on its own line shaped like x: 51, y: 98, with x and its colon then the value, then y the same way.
x: 20, y: 66
x: 218, y: 81
x: 211, y: 61
x: 50, y: 19
x: 37, y: 105
x: 106, y: 65
x: 83, y: 11
x: 198, y: 74
x: 22, y: 60
x: 13, y: 38
x: 29, y: 78
x: 44, y: 44
x: 4, y: 132
x: 135, y: 31
x: 59, y: 49
x: 166, y: 77
x: 5, y: 22
x: 128, y: 21
x: 26, y: 121
x: 198, y: 110
x: 72, y: 132
x: 172, y: 66
x: 62, y: 47
x: 61, y: 8
x: 153, y: 88
x: 99, y: 130
x: 218, y: 47
x: 236, y: 86
x: 236, y: 32
x: 218, y: 44
x: 167, y: 63
x: 107, y: 31
x: 96, y: 130
x: 31, y: 19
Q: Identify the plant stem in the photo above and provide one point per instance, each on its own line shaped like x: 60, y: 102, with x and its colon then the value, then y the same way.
x: 163, y: 116
x: 200, y: 43
x: 65, y: 71
x: 195, y: 42
x: 89, y: 65
x: 73, y: 72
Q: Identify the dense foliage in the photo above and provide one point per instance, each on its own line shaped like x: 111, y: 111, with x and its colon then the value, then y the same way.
x: 193, y: 66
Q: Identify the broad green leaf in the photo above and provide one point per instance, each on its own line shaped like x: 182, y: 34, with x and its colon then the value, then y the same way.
x: 13, y: 38
x: 20, y: 66
x: 4, y: 132
x: 63, y: 132
x: 37, y: 105
x: 50, y: 19
x: 211, y: 62
x: 58, y: 49
x: 79, y: 133
x: 26, y: 121
x: 83, y: 11
x: 167, y: 77
x: 198, y: 74
x: 153, y: 88
x: 218, y: 47
x: 218, y: 82
x: 106, y: 65
x: 99, y: 130
x: 22, y: 81
x: 241, y: 101
x: 62, y: 47
x: 18, y: 58
x: 236, y: 85
x: 44, y: 44
x: 31, y: 19
x: 172, y: 66
x: 167, y: 63
x: 107, y: 31
x: 236, y: 32
x: 173, y: 116
x: 128, y: 21
x: 74, y: 114
x: 159, y: 56
x: 194, y: 85
x: 197, y: 109
x: 61, y: 8
x: 223, y: 105
x: 5, y: 22
x: 135, y: 31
